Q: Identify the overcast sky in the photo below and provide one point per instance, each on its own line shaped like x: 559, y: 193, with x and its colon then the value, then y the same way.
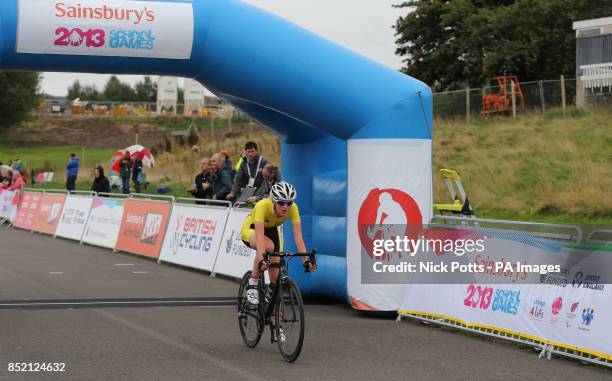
x: 364, y: 26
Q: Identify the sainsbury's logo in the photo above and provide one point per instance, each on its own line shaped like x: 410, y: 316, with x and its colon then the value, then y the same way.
x: 104, y: 12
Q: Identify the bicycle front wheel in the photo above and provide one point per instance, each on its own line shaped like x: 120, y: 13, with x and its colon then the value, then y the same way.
x: 249, y: 316
x: 289, y: 320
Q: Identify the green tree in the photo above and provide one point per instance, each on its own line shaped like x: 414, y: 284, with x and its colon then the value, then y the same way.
x: 75, y: 91
x: 146, y: 90
x: 84, y: 93
x: 18, y: 94
x: 90, y: 93
x: 451, y: 44
x: 118, y: 91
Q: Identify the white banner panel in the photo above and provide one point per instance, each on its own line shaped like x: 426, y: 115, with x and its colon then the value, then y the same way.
x: 106, y: 28
x: 74, y: 217
x: 8, y: 204
x: 104, y: 222
x: 194, y: 235
x: 571, y: 316
x: 393, y: 191
x: 234, y: 258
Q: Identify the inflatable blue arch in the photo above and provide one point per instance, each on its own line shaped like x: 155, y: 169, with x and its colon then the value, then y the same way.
x: 320, y: 98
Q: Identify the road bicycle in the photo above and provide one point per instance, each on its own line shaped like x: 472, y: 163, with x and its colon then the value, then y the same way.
x: 281, y: 307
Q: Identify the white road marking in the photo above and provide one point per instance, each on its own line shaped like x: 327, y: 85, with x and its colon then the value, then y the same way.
x: 55, y: 272
x: 140, y: 272
x: 124, y: 264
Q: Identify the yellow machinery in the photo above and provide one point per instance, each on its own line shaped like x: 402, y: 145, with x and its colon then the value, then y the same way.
x: 461, y: 204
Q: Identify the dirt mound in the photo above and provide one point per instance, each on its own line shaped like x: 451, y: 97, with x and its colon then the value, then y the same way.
x: 93, y: 132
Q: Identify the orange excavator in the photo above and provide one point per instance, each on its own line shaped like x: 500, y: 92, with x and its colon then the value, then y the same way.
x: 502, y: 101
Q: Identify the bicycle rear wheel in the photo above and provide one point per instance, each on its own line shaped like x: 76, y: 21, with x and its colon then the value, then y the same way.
x: 289, y: 320
x: 249, y: 316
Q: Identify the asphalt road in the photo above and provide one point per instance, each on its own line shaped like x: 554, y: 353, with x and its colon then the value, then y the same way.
x: 202, y: 343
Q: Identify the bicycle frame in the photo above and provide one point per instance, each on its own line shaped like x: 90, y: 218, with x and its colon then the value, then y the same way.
x: 282, y: 276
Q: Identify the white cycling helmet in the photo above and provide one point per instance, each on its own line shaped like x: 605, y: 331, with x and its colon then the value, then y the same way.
x: 283, y: 191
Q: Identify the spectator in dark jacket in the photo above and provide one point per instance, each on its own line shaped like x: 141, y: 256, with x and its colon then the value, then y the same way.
x: 271, y: 175
x: 72, y: 170
x: 201, y: 187
x: 249, y: 173
x: 126, y: 170
x: 221, y: 183
x: 100, y: 183
x: 137, y: 173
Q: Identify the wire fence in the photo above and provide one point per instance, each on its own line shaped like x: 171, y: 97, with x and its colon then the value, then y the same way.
x: 535, y: 96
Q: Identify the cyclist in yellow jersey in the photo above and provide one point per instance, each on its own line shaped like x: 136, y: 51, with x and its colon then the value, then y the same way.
x: 260, y: 231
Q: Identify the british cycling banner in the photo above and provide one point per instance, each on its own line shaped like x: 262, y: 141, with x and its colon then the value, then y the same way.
x: 8, y: 204
x: 28, y: 209
x: 49, y: 213
x: 143, y: 226
x: 194, y: 235
x: 234, y: 258
x: 396, y: 191
x: 74, y: 217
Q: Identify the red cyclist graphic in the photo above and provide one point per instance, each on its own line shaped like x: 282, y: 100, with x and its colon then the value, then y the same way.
x: 385, y: 214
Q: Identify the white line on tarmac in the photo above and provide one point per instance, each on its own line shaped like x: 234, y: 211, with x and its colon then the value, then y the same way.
x: 140, y: 272
x: 124, y: 264
x: 55, y: 272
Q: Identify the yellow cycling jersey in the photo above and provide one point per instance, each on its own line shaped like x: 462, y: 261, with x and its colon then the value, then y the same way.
x: 264, y: 212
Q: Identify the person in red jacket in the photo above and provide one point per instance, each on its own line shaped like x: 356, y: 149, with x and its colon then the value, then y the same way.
x: 18, y: 181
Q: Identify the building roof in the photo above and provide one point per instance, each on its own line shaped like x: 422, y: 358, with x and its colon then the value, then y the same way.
x: 593, y: 23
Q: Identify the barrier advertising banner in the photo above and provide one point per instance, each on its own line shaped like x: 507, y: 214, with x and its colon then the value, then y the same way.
x: 120, y: 28
x: 234, y: 257
x: 194, y: 235
x: 405, y: 199
x: 8, y: 204
x: 143, y: 227
x: 552, y: 291
x: 574, y: 316
x: 49, y: 213
x: 104, y: 221
x: 74, y: 217
x: 28, y: 208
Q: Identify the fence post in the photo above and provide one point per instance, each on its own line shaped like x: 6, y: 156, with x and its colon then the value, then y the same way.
x: 513, y: 99
x: 542, y: 101
x: 467, y: 105
x: 563, y: 94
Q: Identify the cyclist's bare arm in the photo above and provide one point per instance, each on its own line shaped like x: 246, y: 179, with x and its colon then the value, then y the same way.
x: 299, y: 242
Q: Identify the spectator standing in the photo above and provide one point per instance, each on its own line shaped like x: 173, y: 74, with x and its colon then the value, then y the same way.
x: 137, y: 175
x: 4, y: 174
x: 18, y: 182
x: 221, y: 183
x: 228, y: 162
x: 249, y: 174
x: 100, y: 183
x: 7, y: 178
x: 72, y: 170
x: 271, y: 175
x: 201, y: 186
x: 17, y: 165
x: 126, y: 170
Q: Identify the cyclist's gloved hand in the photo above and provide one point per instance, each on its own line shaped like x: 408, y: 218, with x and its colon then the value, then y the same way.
x: 310, y: 266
